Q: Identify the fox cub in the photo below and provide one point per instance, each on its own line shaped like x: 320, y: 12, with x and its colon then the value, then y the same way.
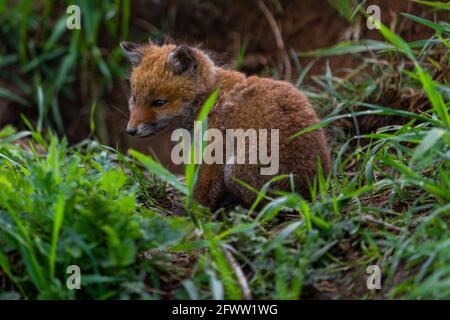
x: 169, y: 85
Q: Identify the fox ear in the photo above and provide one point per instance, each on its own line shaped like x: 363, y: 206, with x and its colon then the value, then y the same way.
x: 182, y: 60
x: 131, y: 49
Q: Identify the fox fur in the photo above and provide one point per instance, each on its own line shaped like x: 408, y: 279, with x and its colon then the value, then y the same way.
x: 183, y: 77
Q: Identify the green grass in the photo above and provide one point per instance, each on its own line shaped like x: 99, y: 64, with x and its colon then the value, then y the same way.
x: 386, y: 201
x: 51, y: 67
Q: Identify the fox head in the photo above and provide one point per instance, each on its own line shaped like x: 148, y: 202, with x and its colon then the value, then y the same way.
x: 166, y: 84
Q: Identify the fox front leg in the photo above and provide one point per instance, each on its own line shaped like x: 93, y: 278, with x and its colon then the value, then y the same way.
x: 210, y: 187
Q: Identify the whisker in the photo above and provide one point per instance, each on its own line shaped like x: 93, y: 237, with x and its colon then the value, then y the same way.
x: 121, y: 112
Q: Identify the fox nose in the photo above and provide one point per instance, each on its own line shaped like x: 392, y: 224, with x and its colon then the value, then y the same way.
x: 132, y: 131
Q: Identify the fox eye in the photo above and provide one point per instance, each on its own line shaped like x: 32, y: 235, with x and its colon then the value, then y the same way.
x: 158, y: 102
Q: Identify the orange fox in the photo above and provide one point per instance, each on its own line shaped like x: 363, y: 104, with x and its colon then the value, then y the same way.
x: 169, y: 85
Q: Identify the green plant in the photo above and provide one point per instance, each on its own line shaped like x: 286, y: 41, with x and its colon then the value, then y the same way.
x: 53, y: 67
